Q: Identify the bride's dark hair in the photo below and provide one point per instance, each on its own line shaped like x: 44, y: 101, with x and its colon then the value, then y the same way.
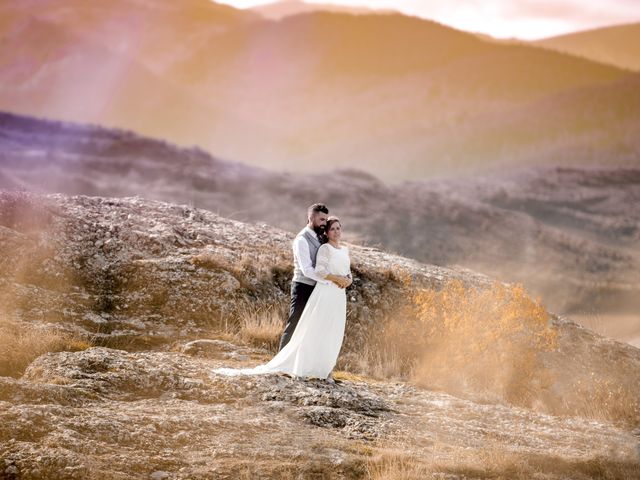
x: 330, y: 221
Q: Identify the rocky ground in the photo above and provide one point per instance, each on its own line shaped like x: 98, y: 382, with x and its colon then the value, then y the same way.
x: 136, y: 270
x: 107, y: 413
x: 158, y: 290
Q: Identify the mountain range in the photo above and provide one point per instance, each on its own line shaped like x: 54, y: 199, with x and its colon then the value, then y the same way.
x: 398, y: 96
x: 287, y: 8
x: 617, y: 45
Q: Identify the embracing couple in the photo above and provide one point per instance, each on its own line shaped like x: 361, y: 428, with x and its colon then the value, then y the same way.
x: 313, y: 335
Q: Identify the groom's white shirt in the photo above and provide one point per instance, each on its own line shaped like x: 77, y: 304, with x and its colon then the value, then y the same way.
x: 301, y: 252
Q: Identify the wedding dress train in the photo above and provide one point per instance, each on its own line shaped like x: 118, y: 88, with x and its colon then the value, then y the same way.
x: 315, y: 344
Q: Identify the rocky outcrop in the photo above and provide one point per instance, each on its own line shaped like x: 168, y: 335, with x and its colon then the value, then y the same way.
x: 567, y: 234
x: 135, y: 271
x: 159, y: 288
x: 108, y: 413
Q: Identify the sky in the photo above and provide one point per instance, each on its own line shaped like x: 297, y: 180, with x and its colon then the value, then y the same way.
x: 523, y: 19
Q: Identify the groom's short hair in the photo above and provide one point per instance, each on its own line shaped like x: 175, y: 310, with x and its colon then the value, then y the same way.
x: 317, y: 207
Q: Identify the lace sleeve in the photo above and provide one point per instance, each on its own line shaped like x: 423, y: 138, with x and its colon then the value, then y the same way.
x: 349, y: 264
x: 322, y: 261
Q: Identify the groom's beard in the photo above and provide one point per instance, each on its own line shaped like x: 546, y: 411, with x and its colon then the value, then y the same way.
x: 319, y: 230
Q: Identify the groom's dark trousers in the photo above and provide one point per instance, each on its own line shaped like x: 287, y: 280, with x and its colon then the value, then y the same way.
x: 300, y: 293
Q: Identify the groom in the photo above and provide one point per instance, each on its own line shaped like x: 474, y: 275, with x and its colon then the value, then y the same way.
x: 305, y: 249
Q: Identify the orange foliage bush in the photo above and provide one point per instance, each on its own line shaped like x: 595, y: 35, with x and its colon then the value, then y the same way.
x: 485, y: 340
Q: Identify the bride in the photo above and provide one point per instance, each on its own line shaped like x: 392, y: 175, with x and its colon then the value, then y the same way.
x: 313, y: 348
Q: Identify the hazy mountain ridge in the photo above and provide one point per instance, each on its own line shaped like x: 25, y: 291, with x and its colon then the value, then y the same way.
x: 584, y: 126
x: 451, y: 87
x: 86, y: 80
x: 280, y: 9
x: 311, y: 88
x: 617, y: 45
x: 567, y: 234
x: 154, y: 32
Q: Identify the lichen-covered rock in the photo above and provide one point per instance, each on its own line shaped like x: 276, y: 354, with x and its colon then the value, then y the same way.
x: 131, y: 272
x: 216, y: 348
x: 153, y: 284
x: 112, y: 414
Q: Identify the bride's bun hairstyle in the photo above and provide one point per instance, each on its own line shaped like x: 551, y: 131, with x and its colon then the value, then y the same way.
x: 330, y: 221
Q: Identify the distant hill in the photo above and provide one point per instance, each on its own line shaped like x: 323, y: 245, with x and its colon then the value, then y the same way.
x: 398, y: 96
x: 155, y: 31
x: 287, y: 8
x: 617, y: 45
x: 568, y: 234
x: 50, y: 71
x: 587, y: 126
x: 373, y: 91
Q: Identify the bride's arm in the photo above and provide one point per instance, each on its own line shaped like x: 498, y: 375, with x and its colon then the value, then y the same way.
x: 342, y: 282
x: 322, y: 267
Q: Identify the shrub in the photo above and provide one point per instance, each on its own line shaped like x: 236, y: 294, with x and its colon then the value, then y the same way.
x: 486, y: 340
x: 262, y: 327
x: 21, y: 343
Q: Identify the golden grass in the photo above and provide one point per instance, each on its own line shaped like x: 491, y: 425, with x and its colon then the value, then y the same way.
x: 21, y: 343
x: 484, y: 340
x: 262, y: 327
x: 350, y: 377
x: 395, y: 465
x: 211, y: 261
x: 251, y: 268
x: 487, y: 344
x: 602, y: 399
x: 388, y: 363
x: 493, y: 462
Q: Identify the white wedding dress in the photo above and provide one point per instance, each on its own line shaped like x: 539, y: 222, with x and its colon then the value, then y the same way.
x: 315, y: 344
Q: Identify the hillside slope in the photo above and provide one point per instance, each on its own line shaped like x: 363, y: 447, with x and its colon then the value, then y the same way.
x: 616, y: 45
x: 168, y: 285
x: 156, y: 31
x: 570, y: 235
x: 286, y: 8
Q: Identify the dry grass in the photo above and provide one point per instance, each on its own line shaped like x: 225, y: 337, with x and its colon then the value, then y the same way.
x: 211, y: 261
x: 492, y: 344
x: 388, y: 363
x: 350, y: 377
x: 493, y: 462
x: 396, y: 465
x: 262, y: 326
x: 21, y: 343
x: 252, y: 268
x: 603, y: 399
